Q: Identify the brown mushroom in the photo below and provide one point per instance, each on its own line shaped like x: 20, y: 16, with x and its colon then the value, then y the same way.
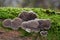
x: 7, y: 23
x: 23, y: 15
x: 27, y: 15
x: 16, y: 23
x: 44, y: 24
x: 32, y: 15
x: 30, y: 26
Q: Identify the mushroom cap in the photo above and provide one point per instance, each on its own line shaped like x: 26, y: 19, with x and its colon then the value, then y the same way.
x: 7, y: 23
x: 16, y: 23
x: 31, y: 25
x: 25, y: 26
x: 27, y: 15
x: 44, y: 33
x: 23, y: 15
x: 44, y: 24
x: 32, y: 15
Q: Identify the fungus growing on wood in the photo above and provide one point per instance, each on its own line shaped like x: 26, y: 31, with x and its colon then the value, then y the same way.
x: 44, y: 33
x: 16, y: 23
x: 23, y: 15
x: 44, y: 24
x: 30, y: 26
x: 32, y: 15
x: 7, y: 23
x: 27, y: 15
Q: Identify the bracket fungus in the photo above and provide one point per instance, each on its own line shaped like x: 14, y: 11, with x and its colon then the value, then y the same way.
x: 23, y: 15
x: 36, y: 25
x: 30, y: 26
x: 44, y: 24
x: 44, y: 33
x: 7, y: 23
x: 32, y: 15
x: 28, y: 22
x: 14, y: 24
x: 27, y: 15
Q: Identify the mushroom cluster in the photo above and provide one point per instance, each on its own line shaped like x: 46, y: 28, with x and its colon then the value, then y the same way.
x: 37, y: 25
x: 14, y: 24
x: 29, y: 22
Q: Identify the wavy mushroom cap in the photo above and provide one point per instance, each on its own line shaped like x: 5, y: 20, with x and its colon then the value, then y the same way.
x: 16, y: 23
x: 32, y: 15
x: 27, y: 15
x: 31, y: 25
x: 44, y: 33
x: 7, y: 23
x: 44, y: 24
x: 25, y: 26
x: 23, y: 15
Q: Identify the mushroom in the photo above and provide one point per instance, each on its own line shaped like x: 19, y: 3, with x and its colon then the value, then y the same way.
x: 7, y: 23
x: 30, y: 26
x: 16, y: 23
x: 44, y: 33
x: 23, y: 15
x: 44, y: 24
x: 27, y: 15
x: 32, y: 15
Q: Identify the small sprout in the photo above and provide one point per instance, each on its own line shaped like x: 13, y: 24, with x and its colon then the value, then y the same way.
x: 7, y: 23
x: 44, y: 24
x: 32, y: 25
x: 16, y: 23
x: 27, y: 15
x: 44, y: 33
